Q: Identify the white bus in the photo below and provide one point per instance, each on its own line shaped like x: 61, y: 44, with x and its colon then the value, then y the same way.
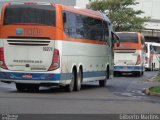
x: 152, y: 56
x: 52, y: 44
x: 130, y: 55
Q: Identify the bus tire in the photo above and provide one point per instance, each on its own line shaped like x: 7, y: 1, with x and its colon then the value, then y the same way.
x: 32, y: 87
x: 102, y: 83
x: 78, y: 80
x: 152, y: 69
x: 137, y: 73
x: 142, y: 73
x: 116, y: 74
x: 20, y: 87
x: 70, y: 87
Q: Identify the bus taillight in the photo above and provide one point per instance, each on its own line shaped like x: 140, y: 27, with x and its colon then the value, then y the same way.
x: 138, y: 60
x: 147, y: 60
x: 55, y: 61
x: 8, y: 4
x: 2, y: 63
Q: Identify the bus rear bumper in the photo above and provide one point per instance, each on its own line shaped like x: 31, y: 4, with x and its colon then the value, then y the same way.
x: 34, y: 78
x: 128, y: 68
x: 40, y: 83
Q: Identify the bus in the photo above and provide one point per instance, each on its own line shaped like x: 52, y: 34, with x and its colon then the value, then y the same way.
x: 130, y: 55
x: 152, y: 56
x: 47, y: 44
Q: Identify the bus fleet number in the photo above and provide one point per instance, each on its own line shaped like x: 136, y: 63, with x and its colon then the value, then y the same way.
x: 47, y: 49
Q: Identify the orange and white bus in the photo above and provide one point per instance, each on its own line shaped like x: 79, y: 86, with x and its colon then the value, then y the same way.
x: 130, y: 55
x: 152, y: 56
x: 52, y: 44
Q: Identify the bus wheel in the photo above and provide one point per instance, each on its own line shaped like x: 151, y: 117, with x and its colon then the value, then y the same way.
x: 137, y: 73
x: 20, y: 87
x: 32, y: 87
x: 102, y: 83
x: 70, y: 87
x: 142, y: 73
x: 116, y: 74
x: 78, y: 81
x: 152, y: 67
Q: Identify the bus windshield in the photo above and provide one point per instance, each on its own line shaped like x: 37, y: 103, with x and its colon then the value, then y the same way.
x: 30, y: 14
x: 156, y: 49
x: 128, y: 37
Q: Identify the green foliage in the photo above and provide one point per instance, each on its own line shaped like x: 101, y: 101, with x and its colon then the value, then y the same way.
x: 155, y: 89
x: 121, y: 14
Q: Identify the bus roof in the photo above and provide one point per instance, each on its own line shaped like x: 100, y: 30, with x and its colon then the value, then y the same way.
x: 149, y: 42
x: 155, y: 44
x: 86, y: 12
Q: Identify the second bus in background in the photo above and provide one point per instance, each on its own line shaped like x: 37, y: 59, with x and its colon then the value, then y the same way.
x: 130, y: 55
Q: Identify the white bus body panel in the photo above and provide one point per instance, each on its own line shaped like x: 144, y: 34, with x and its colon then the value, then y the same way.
x: 125, y: 60
x: 94, y: 59
x: 148, y: 62
x: 20, y: 56
x: 153, y: 56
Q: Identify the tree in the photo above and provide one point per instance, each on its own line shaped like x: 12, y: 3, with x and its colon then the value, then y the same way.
x: 121, y: 14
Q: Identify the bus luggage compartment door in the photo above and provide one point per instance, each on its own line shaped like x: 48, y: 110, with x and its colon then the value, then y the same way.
x: 28, y: 54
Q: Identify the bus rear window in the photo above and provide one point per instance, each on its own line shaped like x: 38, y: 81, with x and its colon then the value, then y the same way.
x: 30, y: 14
x: 128, y: 37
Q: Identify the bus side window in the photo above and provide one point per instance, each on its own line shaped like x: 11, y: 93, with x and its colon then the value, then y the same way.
x: 155, y: 49
x: 69, y: 23
x: 146, y: 48
x: 84, y: 27
x: 105, y: 31
x: 142, y: 40
x: 143, y: 43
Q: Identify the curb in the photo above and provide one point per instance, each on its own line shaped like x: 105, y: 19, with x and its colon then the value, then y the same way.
x: 148, y: 92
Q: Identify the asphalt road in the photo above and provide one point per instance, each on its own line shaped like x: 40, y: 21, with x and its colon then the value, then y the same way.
x: 122, y: 95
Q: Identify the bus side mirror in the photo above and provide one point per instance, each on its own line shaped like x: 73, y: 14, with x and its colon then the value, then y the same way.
x: 115, y: 39
x: 64, y: 18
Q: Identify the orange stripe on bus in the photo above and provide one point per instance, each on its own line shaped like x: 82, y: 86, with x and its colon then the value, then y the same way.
x: 128, y: 45
x: 84, y: 40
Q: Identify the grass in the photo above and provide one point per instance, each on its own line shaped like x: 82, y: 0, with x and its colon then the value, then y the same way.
x: 155, y: 89
x: 157, y: 78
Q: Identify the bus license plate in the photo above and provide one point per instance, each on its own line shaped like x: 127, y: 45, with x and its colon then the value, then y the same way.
x: 27, y: 76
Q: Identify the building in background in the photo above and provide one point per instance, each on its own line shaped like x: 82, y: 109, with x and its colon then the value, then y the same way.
x: 151, y: 9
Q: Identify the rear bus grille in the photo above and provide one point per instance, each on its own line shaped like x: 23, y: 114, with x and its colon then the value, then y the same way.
x: 125, y: 50
x: 29, y: 42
